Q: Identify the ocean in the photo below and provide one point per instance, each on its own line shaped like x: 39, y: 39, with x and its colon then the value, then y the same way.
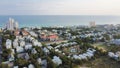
x: 58, y: 20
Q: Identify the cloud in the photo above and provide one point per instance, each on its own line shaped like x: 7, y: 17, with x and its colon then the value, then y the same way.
x: 60, y: 7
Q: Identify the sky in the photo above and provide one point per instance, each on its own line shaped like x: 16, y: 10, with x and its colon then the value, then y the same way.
x: 59, y: 7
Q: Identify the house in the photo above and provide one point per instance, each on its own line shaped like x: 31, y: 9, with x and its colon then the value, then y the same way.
x: 115, y: 41
x: 76, y: 57
x: 21, y: 38
x: 57, y: 60
x: 33, y: 51
x: 46, y: 50
x: 24, y: 33
x: 11, y: 57
x: 31, y: 39
x: 115, y: 56
x: 44, y: 63
x: 83, y: 56
x: 63, y: 53
x: 15, y: 67
x: 66, y: 44
x: 16, y: 32
x: 19, y: 49
x: 118, y: 53
x: 91, y: 50
x: 15, y: 44
x: 36, y: 43
x: 50, y: 47
x: 28, y: 46
x: 88, y: 54
x: 24, y: 67
x: 39, y: 60
x: 73, y: 50
x: 23, y: 55
x: 22, y: 43
x: 50, y: 37
x: 53, y: 37
x: 56, y: 50
x: 8, y: 43
x: 33, y: 34
x: 31, y: 66
x: 111, y: 54
x: 27, y: 38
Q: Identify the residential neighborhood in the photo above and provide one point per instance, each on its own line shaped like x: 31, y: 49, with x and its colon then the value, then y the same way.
x: 59, y: 47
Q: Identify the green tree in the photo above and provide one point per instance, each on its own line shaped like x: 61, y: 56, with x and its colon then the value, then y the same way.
x: 51, y: 64
x: 107, y: 37
x: 6, y: 53
x: 21, y: 62
x: 4, y: 66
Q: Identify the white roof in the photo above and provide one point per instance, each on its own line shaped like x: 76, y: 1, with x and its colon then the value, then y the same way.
x: 111, y: 54
x: 45, y: 49
x: 31, y: 66
x: 89, y: 54
x: 19, y: 49
x: 57, y: 60
x: 39, y: 60
x: 28, y: 46
x: 15, y: 67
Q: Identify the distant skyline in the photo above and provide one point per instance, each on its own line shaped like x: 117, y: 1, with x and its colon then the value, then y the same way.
x: 60, y: 7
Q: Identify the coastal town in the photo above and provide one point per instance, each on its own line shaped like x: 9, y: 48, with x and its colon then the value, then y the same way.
x: 60, y: 47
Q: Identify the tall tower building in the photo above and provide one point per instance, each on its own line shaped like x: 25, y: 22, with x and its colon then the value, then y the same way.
x: 16, y: 25
x: 92, y: 24
x: 11, y: 25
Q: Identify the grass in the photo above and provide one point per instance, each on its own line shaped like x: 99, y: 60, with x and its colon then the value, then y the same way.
x: 100, y: 46
x: 101, y: 62
x: 113, y: 48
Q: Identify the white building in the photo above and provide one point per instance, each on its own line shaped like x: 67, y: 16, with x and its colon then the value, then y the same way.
x: 111, y: 54
x: 39, y: 60
x: 36, y: 43
x: 88, y: 54
x: 115, y: 56
x: 46, y: 50
x: 8, y: 43
x: 33, y: 34
x: 22, y: 43
x: 15, y: 44
x: 11, y: 58
x: 15, y: 67
x: 19, y: 49
x: 115, y: 41
x: 31, y: 66
x: 16, y: 25
x: 33, y: 51
x: 11, y: 25
x: 28, y: 46
x: 57, y: 60
x: 92, y: 24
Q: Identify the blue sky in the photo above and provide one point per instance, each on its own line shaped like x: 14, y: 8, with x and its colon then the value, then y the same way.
x: 59, y: 7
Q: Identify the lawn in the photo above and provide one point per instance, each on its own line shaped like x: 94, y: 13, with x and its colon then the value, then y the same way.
x: 107, y: 48
x: 101, y: 62
x: 101, y: 46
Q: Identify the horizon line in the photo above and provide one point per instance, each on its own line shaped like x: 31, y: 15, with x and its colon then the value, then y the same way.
x: 54, y: 15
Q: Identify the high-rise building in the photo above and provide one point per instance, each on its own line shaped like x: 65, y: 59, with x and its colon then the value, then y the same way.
x: 12, y: 24
x: 16, y: 25
x: 92, y: 24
